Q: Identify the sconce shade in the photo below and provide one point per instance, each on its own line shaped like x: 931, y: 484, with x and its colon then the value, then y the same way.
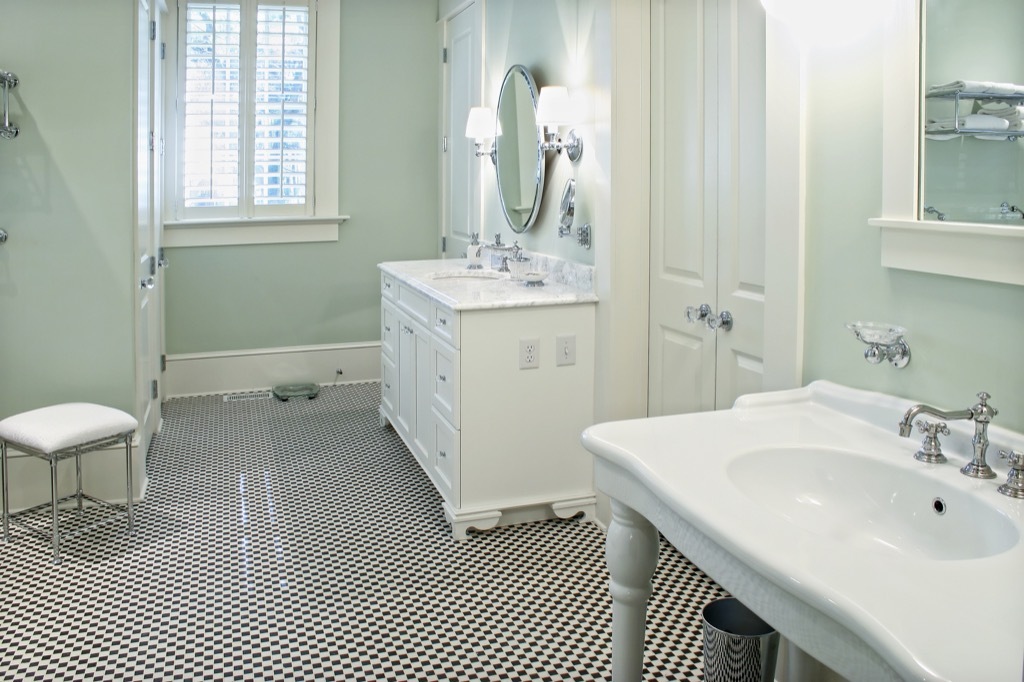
x: 553, y: 108
x: 482, y: 124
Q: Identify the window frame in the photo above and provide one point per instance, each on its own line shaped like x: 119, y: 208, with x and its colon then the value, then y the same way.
x: 315, y: 220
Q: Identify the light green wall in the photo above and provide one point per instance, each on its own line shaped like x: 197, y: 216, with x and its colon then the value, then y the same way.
x: 66, y: 271
x: 264, y: 296
x: 965, y: 335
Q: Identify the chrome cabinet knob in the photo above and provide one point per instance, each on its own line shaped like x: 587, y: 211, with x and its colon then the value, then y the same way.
x: 147, y: 283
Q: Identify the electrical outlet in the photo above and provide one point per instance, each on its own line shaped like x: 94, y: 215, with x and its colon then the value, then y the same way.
x: 565, y: 350
x: 529, y: 353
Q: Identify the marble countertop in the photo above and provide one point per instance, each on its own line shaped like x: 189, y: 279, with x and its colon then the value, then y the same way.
x: 471, y: 293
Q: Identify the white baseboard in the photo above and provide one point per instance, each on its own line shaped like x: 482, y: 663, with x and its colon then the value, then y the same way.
x: 263, y: 368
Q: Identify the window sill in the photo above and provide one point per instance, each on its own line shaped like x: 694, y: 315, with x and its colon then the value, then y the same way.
x: 236, y: 231
x: 991, y: 253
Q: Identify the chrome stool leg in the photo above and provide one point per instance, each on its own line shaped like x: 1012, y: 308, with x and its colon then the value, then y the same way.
x: 78, y: 476
x: 53, y: 507
x: 7, y: 493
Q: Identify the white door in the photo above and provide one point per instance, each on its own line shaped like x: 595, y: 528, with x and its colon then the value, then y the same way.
x: 707, y: 201
x: 148, y: 343
x: 461, y: 168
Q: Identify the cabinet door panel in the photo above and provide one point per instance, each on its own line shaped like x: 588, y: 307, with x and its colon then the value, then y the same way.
x: 445, y: 381
x: 388, y: 328
x: 447, y: 458
x: 388, y: 385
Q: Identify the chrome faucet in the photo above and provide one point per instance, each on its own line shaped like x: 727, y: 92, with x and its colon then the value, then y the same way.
x: 981, y: 414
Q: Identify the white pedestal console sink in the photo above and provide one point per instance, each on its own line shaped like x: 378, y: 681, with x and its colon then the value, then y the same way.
x: 499, y: 442
x: 808, y: 507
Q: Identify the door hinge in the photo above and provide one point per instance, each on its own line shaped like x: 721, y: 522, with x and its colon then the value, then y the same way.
x: 444, y: 144
x: 152, y: 30
x: 444, y: 244
x: 444, y: 55
x: 163, y: 362
x: 152, y: 266
x: 154, y: 390
x: 152, y: 141
x: 163, y: 50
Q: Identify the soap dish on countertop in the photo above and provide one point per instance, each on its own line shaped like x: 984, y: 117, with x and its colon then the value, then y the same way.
x: 534, y: 278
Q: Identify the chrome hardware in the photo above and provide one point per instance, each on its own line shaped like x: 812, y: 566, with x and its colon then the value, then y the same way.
x: 938, y: 214
x: 981, y: 414
x: 703, y: 313
x: 931, y: 449
x: 442, y: 322
x: 442, y: 378
x: 8, y: 81
x: 162, y: 258
x: 699, y: 314
x: 442, y: 454
x: 885, y: 342
x: 3, y: 236
x: 583, y: 235
x: 723, y: 321
x: 387, y: 329
x: 1014, y: 486
x: 1006, y: 209
x: 147, y: 283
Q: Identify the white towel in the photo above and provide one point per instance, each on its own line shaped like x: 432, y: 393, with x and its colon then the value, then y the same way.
x: 979, y: 87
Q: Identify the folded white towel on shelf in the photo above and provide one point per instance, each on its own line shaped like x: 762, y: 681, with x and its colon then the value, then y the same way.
x: 970, y: 122
x: 980, y: 87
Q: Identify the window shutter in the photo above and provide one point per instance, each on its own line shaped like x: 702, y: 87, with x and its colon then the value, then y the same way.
x: 211, y: 136
x: 281, y: 100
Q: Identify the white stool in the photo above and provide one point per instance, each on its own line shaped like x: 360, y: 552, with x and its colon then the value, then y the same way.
x: 59, y: 432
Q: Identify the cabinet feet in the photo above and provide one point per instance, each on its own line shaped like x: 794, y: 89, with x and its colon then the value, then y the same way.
x: 462, y: 522
x: 567, y: 509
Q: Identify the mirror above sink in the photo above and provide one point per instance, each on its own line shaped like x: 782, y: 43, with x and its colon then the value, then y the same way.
x: 519, y: 156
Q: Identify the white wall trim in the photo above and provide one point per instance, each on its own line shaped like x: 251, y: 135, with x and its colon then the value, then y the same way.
x: 261, y: 368
x: 785, y: 191
x: 252, y: 231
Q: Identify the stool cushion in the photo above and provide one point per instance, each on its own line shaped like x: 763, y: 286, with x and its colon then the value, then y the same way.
x: 57, y: 427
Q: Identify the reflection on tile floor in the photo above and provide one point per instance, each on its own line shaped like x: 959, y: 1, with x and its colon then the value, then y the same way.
x: 300, y: 540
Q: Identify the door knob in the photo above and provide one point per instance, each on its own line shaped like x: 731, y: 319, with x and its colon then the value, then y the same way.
x: 723, y: 321
x: 704, y: 314
x: 699, y: 314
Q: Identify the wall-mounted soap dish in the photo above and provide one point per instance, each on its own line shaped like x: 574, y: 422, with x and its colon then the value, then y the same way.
x: 885, y: 342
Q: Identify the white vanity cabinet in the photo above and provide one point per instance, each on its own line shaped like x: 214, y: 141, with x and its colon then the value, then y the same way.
x: 500, y: 443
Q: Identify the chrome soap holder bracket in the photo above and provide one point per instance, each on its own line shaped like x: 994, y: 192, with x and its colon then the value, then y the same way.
x: 884, y: 341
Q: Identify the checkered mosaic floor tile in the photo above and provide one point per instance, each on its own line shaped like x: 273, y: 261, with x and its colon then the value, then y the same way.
x: 300, y: 540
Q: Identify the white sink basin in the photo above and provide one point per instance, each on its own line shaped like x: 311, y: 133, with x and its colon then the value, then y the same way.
x: 466, y: 274
x: 810, y: 508
x: 872, y: 505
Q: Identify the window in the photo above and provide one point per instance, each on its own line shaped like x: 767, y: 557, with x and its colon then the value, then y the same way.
x: 245, y: 109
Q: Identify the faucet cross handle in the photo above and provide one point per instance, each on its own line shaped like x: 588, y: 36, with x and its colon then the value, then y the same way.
x: 983, y: 412
x: 931, y: 449
x: 1014, y: 486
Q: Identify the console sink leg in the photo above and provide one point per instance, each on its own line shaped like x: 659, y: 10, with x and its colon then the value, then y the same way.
x: 632, y: 554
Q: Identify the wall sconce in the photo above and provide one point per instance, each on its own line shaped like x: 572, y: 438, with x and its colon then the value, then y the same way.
x: 482, y: 125
x: 554, y: 110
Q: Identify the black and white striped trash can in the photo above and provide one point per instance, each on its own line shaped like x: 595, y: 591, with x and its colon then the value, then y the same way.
x: 738, y: 645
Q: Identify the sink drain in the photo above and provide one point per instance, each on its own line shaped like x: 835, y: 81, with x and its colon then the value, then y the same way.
x: 939, y: 506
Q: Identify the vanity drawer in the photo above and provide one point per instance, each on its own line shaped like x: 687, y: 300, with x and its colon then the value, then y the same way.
x: 388, y: 286
x: 388, y: 328
x: 415, y: 303
x: 444, y: 368
x: 388, y: 386
x: 446, y: 323
x: 446, y: 461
